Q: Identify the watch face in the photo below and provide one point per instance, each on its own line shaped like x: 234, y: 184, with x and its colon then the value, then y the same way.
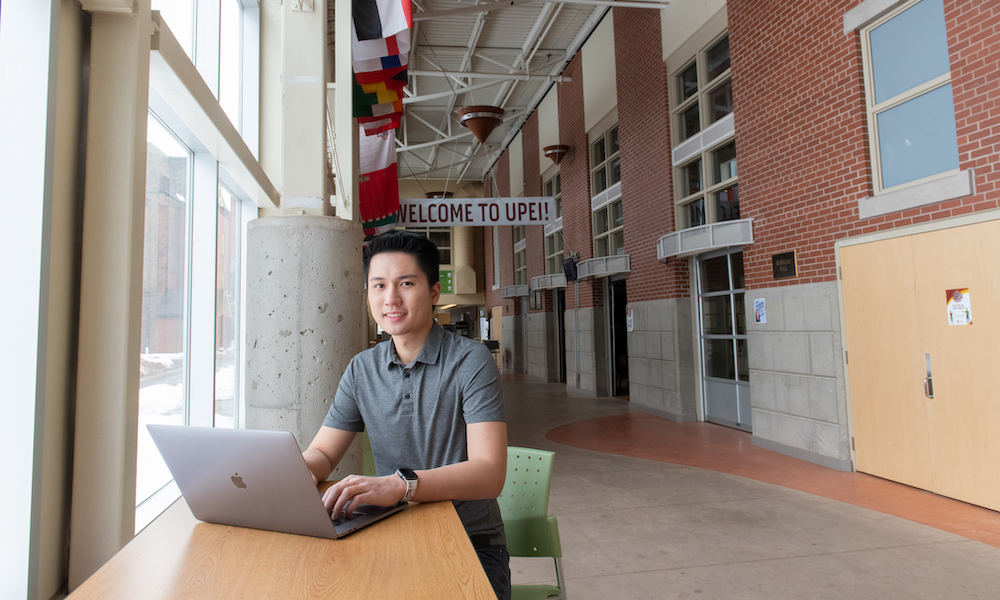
x: 408, y: 474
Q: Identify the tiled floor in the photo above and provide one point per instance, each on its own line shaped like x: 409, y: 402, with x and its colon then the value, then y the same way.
x: 651, y: 509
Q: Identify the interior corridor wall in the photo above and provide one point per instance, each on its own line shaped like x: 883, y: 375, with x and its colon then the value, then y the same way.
x: 809, y: 190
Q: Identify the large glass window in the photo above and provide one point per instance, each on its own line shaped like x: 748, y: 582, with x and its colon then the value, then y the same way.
x: 163, y: 356
x: 553, y: 187
x: 909, y: 95
x: 227, y: 267
x: 554, y: 253
x: 520, y: 256
x: 706, y: 188
x: 605, y: 163
x: 609, y: 230
x: 709, y: 197
x: 231, y: 60
x: 704, y: 90
x: 191, y: 319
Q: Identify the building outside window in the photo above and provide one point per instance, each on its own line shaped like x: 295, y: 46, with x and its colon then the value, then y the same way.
x: 605, y: 163
x: 554, y: 253
x: 704, y: 90
x: 609, y: 229
x: 520, y: 256
x: 191, y: 317
x: 163, y: 361
x: 441, y: 236
x: 706, y: 184
x: 911, y: 110
x: 553, y: 187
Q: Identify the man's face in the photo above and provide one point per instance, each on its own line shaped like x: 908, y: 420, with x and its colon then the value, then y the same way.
x: 399, y: 295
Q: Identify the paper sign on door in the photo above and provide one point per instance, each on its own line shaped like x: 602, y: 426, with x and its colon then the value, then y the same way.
x: 959, y: 307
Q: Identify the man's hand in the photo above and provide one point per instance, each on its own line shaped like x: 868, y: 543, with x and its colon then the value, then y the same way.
x: 355, y: 490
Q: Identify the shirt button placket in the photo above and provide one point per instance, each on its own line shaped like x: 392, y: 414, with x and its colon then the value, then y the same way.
x: 406, y: 391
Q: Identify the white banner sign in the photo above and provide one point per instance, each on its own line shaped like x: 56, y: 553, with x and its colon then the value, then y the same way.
x: 449, y: 212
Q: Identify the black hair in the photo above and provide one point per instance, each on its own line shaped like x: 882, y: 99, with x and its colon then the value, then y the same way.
x: 417, y: 245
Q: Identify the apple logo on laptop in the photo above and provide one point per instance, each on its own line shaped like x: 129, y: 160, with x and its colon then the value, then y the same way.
x: 238, y: 481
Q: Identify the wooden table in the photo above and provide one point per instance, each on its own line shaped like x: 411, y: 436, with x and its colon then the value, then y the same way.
x: 422, y: 552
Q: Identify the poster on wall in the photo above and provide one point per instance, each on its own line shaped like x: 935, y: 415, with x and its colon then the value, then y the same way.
x: 959, y: 307
x: 759, y: 311
x: 629, y: 320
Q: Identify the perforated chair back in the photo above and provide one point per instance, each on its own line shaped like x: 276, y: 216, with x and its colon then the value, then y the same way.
x: 524, y: 507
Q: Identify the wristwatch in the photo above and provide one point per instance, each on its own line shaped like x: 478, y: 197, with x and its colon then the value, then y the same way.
x: 410, y: 478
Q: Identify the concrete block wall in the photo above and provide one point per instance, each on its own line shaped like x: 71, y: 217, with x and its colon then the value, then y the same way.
x: 586, y: 353
x: 797, y: 385
x: 541, y: 360
x: 662, y: 374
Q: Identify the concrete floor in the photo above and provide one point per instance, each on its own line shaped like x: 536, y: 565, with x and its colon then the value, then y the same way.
x: 637, y: 528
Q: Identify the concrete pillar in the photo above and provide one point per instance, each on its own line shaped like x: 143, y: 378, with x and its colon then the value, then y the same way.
x: 463, y: 258
x: 305, y: 321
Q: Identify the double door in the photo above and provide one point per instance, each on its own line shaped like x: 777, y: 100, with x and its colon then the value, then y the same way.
x: 924, y: 401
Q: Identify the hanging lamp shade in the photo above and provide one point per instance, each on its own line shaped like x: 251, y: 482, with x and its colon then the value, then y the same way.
x: 557, y: 152
x: 439, y: 194
x: 481, y: 120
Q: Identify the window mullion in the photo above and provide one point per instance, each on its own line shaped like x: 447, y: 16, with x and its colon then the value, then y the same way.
x: 201, y: 398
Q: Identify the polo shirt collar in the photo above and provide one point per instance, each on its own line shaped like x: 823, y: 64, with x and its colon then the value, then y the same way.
x: 428, y: 354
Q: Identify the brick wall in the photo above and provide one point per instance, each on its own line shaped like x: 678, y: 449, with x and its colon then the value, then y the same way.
x: 644, y: 139
x: 802, y: 133
x: 575, y: 174
x: 535, y: 234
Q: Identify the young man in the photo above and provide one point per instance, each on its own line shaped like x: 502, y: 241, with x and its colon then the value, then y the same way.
x: 430, y: 401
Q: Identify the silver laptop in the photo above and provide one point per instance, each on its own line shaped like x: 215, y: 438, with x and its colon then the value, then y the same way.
x: 254, y: 479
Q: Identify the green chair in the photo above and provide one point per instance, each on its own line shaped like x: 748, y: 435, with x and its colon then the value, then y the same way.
x: 367, y: 461
x: 524, y: 506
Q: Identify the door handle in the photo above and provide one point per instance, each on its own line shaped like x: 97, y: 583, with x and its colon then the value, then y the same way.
x: 929, y: 380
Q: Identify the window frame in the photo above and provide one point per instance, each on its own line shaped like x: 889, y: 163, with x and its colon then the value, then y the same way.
x: 520, y: 262
x: 604, y: 238
x: 605, y: 165
x: 554, y: 268
x: 874, y: 109
x: 701, y: 97
x: 207, y: 176
x: 553, y: 187
x: 445, y: 251
x: 704, y: 156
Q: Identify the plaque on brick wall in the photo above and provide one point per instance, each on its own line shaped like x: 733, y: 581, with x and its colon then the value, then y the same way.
x: 784, y: 265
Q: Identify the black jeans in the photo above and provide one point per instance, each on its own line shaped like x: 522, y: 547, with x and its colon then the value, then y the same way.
x: 496, y: 563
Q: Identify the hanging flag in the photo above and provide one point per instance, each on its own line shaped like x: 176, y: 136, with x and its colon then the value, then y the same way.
x: 378, y: 191
x: 361, y: 98
x: 383, y: 109
x: 379, y: 47
x: 380, y: 64
x: 374, y: 125
x: 397, y: 82
x: 383, y: 75
x: 374, y: 19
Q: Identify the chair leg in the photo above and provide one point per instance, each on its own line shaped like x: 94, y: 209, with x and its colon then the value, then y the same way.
x: 559, y: 580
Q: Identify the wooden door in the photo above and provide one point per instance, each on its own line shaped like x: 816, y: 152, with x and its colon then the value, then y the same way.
x: 965, y: 359
x: 895, y: 314
x: 888, y: 406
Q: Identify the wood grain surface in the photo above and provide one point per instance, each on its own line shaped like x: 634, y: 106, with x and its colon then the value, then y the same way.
x: 422, y: 552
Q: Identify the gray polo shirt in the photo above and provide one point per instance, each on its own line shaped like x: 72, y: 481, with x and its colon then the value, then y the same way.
x: 416, y: 414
